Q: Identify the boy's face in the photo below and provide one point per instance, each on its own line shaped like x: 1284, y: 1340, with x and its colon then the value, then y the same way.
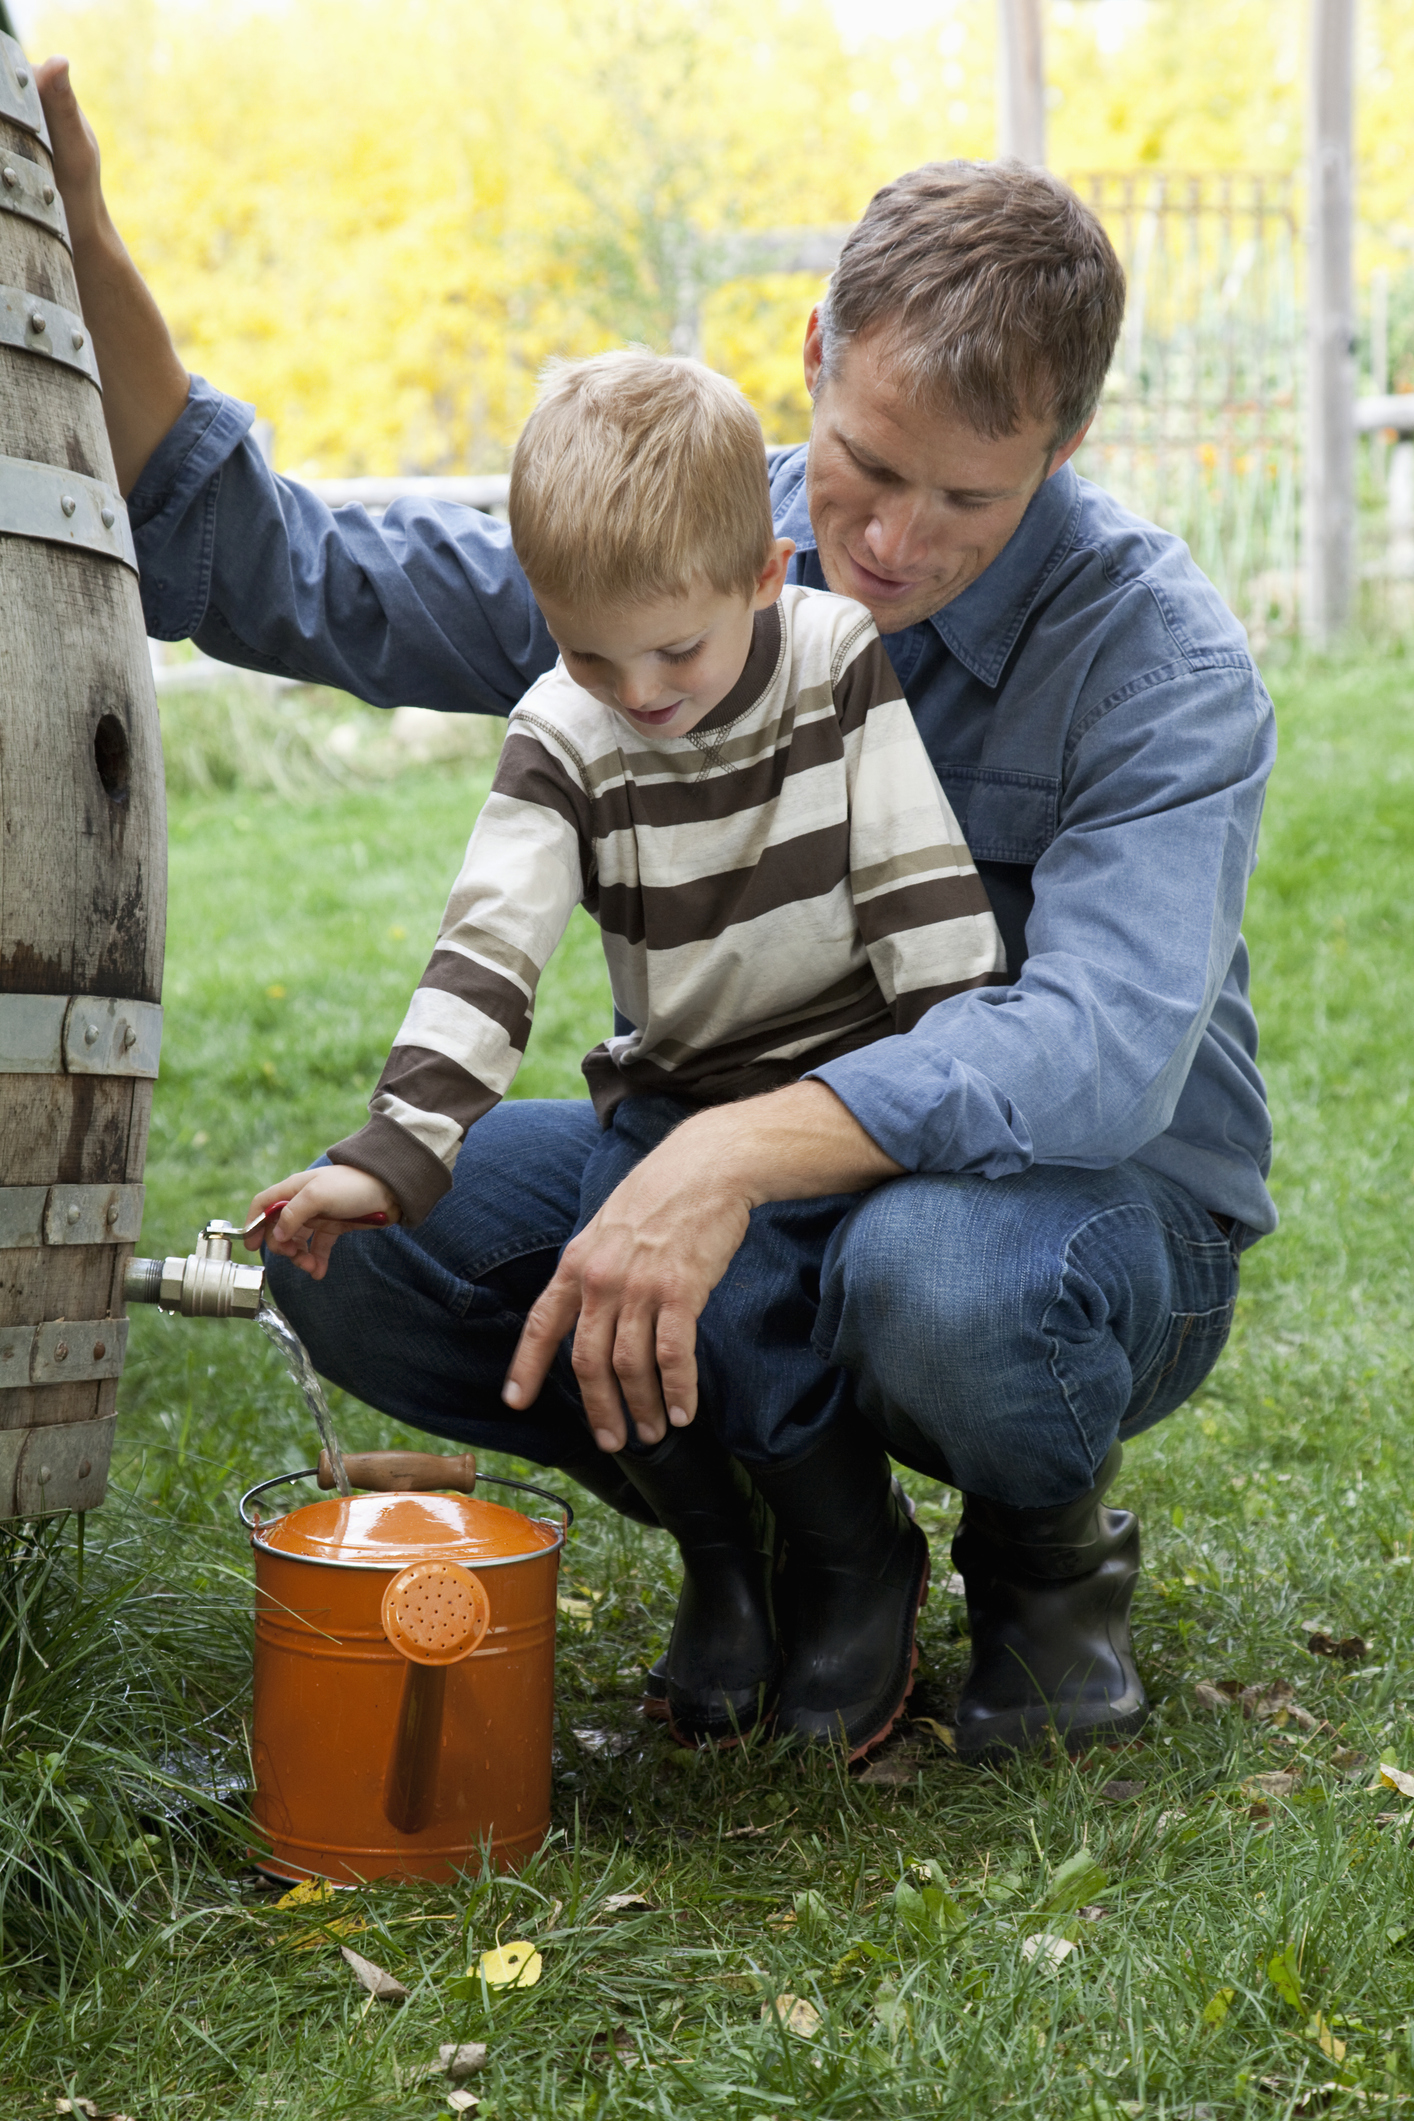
x: 664, y: 665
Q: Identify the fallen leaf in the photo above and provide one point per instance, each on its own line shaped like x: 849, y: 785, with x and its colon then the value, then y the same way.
x: 373, y: 1978
x: 1283, y: 1972
x: 937, y: 1730
x: 462, y: 2102
x: 458, y: 2061
x: 1325, y: 2039
x: 1208, y: 1696
x: 575, y: 1608
x: 1120, y: 1792
x: 895, y: 1771
x: 1167, y: 1819
x: 336, y: 1926
x: 811, y: 1910
x: 1393, y: 1778
x: 1217, y: 2007
x: 619, y: 1903
x: 1347, y: 1761
x: 1349, y: 1647
x: 1046, y: 1950
x: 1278, y: 1782
x: 88, y: 2109
x: 516, y: 1965
x: 795, y: 2013
x: 306, y: 1894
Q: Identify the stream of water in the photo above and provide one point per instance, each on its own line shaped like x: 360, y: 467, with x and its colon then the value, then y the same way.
x: 278, y: 1330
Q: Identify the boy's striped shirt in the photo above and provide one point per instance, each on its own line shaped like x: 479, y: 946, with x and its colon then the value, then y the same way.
x: 783, y: 884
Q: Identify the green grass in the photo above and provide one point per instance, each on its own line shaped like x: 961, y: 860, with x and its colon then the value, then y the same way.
x: 142, y: 1967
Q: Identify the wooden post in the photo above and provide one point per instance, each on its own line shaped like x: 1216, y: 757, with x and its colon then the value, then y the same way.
x: 1330, y: 323
x: 1021, y: 82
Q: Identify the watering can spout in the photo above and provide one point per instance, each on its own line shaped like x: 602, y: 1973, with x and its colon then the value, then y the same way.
x: 208, y: 1283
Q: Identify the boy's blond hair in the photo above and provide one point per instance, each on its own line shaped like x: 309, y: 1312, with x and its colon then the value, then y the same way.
x: 637, y: 477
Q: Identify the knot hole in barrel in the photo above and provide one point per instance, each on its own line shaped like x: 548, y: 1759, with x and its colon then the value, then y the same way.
x: 113, y: 758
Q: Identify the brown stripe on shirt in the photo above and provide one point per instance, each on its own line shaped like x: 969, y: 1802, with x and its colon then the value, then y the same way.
x: 704, y: 907
x: 941, y: 898
x: 656, y: 804
x: 911, y: 1008
x: 490, y: 992
x: 864, y: 683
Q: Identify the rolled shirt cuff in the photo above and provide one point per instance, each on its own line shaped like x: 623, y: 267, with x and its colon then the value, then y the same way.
x: 177, y: 479
x: 407, y: 1168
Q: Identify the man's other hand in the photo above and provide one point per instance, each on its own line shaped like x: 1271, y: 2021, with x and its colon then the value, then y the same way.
x: 637, y: 1278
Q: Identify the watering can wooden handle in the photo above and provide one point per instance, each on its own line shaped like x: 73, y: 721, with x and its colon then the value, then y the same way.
x: 403, y: 1472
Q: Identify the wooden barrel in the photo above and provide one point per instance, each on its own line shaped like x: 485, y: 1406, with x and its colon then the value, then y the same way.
x: 82, y: 858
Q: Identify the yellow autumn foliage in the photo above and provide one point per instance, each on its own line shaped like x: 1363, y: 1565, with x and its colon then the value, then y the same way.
x: 376, y: 222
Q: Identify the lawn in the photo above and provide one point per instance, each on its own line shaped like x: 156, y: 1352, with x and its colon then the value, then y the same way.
x: 1229, y: 1899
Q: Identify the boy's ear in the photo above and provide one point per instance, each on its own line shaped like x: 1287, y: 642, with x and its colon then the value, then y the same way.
x: 772, y: 578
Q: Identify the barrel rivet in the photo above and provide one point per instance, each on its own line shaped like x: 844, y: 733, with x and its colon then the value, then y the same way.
x: 77, y: 337
x: 108, y: 519
x: 37, y: 320
x: 85, y: 1468
x: 74, y: 1212
x: 61, y: 1351
x: 112, y: 1216
x: 23, y: 78
x: 6, y: 1354
x: 45, y: 1476
x: 47, y: 194
x: 8, y: 176
x: 100, y: 1349
x: 129, y: 1037
x: 90, y: 1034
x: 67, y: 503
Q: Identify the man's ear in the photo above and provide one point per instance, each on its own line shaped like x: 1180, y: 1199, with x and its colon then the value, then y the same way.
x: 813, y: 352
x: 1067, y: 450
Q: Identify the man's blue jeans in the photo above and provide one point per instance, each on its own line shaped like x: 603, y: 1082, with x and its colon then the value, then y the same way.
x: 997, y: 1334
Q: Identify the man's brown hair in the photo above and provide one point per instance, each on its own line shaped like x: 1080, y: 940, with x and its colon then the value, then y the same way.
x: 998, y: 294
x: 636, y: 476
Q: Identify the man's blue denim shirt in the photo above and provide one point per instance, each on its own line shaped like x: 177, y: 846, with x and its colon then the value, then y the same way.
x: 1089, y: 703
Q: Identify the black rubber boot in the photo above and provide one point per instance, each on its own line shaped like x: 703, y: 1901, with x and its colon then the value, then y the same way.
x: 603, y: 1476
x: 1048, y: 1597
x: 654, y: 1704
x: 854, y: 1576
x: 722, y: 1659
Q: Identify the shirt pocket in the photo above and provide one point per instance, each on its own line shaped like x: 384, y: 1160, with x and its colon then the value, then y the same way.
x: 1006, y: 815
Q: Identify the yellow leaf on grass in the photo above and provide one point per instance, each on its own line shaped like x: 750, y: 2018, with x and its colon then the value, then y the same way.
x: 1393, y: 1778
x: 796, y: 2014
x: 1325, y: 2039
x: 516, y: 1965
x: 1283, y: 1972
x: 1217, y: 2007
x: 938, y: 1730
x: 306, y: 1894
x: 575, y: 1608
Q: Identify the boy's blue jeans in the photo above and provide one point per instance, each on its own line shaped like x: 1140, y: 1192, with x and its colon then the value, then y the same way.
x: 997, y: 1334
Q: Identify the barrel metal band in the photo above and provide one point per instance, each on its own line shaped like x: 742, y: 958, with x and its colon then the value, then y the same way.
x: 45, y: 328
x: 61, y: 1465
x: 78, y: 1034
x: 44, y: 501
x: 69, y: 1215
x: 62, y: 1351
x: 19, y: 97
x: 26, y: 190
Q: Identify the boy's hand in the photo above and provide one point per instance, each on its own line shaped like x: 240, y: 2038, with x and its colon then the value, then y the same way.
x: 76, y: 156
x: 319, y: 1206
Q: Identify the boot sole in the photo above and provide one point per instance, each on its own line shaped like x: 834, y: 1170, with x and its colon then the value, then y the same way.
x: 1029, y: 1729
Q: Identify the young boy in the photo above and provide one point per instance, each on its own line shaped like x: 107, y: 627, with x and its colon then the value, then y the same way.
x: 723, y: 770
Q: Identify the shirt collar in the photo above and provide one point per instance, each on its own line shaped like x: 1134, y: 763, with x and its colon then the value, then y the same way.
x: 981, y: 626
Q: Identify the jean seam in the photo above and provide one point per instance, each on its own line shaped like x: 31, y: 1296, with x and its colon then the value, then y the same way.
x: 488, y: 1263
x: 1053, y: 1344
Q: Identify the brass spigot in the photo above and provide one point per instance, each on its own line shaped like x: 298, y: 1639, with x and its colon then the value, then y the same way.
x: 206, y: 1284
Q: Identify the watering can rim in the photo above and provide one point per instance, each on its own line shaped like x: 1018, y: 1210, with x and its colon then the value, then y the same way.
x: 391, y: 1561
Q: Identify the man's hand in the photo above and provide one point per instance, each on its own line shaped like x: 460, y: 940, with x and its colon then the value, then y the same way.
x: 638, y: 1276
x: 321, y: 1205
x: 144, y: 384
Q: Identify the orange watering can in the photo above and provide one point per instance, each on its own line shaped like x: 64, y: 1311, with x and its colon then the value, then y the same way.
x: 404, y: 1672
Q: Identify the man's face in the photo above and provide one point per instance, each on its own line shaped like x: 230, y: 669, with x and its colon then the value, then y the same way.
x: 909, y: 503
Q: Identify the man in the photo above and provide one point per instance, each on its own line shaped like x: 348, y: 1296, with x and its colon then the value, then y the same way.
x: 1055, y: 1177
